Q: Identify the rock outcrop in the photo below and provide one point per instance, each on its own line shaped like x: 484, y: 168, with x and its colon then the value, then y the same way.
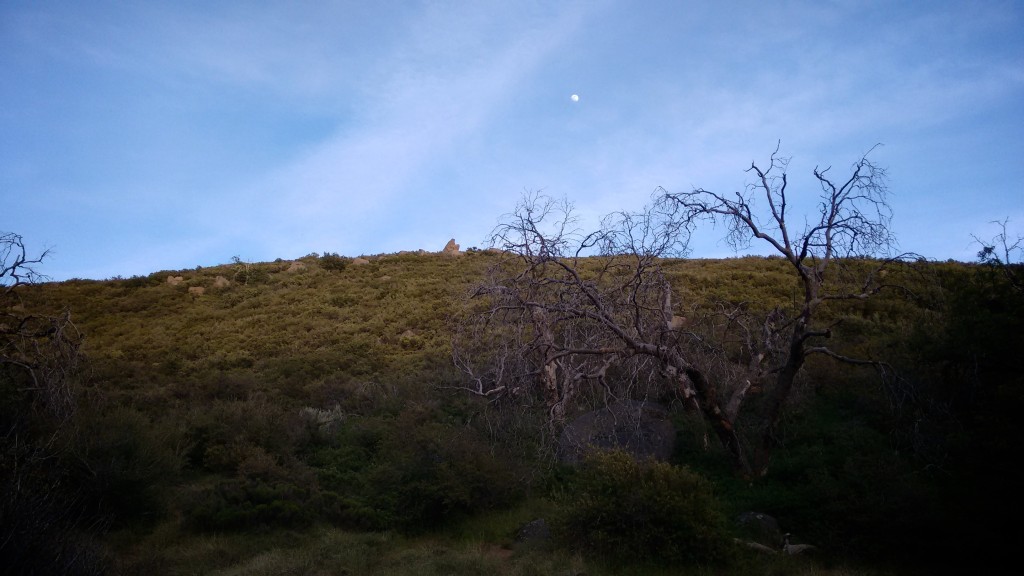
x: 534, y: 531
x: 761, y: 529
x: 451, y: 248
x: 761, y: 532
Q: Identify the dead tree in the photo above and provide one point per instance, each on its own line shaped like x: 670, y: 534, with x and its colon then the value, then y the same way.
x: 1005, y: 253
x: 570, y: 308
x: 38, y: 353
x: 841, y: 254
x: 519, y: 341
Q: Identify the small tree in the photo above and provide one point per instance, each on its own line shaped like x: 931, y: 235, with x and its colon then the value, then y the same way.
x: 1003, y: 252
x: 550, y: 317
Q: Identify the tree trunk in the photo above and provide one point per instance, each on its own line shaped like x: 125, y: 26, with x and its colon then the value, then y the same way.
x: 720, y: 422
x: 781, y: 391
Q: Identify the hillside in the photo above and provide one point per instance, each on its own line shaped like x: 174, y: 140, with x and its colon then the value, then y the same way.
x: 279, y: 323
x: 286, y: 409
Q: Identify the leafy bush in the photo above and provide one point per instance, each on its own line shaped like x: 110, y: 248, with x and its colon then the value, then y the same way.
x: 628, y: 510
x: 436, y: 477
x: 126, y: 463
x: 411, y: 476
x: 331, y: 261
x: 217, y: 431
x: 247, y: 503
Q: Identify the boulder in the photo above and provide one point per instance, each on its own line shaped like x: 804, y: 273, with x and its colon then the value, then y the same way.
x: 760, y: 528
x: 642, y: 429
x: 221, y: 282
x: 451, y: 248
x: 534, y: 531
x: 175, y: 280
x: 296, y: 266
x: 360, y: 261
x: 196, y: 291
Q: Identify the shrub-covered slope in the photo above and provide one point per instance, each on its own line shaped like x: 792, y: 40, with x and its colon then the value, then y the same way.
x: 288, y: 395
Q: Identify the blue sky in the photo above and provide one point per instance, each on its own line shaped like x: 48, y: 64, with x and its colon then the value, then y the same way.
x: 143, y: 136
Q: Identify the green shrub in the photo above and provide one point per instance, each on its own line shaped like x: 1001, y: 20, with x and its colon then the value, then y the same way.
x: 627, y: 510
x: 136, y: 282
x: 332, y: 261
x: 218, y: 430
x: 435, y: 475
x: 410, y: 476
x: 126, y: 462
x: 248, y: 503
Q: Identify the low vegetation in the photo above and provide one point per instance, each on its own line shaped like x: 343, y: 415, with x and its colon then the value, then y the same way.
x: 309, y: 419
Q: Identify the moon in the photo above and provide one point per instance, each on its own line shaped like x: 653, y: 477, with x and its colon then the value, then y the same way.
x: 575, y: 97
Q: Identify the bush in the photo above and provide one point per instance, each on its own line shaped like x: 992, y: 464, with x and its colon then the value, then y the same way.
x: 410, y: 476
x: 432, y: 476
x: 251, y: 503
x: 330, y: 261
x: 628, y: 510
x: 126, y: 463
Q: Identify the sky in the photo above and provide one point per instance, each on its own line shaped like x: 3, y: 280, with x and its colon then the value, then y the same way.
x: 137, y: 137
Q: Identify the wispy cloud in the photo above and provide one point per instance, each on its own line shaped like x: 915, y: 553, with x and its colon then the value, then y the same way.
x: 432, y: 92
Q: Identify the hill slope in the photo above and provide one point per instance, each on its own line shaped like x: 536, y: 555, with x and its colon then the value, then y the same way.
x: 288, y: 395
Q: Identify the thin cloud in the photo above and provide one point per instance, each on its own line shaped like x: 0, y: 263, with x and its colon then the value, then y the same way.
x: 422, y: 112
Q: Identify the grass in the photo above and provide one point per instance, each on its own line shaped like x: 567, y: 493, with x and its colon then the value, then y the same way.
x: 328, y: 551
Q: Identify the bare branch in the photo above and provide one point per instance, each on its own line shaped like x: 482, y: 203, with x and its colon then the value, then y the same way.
x: 16, y: 267
x: 1004, y: 252
x: 550, y: 320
